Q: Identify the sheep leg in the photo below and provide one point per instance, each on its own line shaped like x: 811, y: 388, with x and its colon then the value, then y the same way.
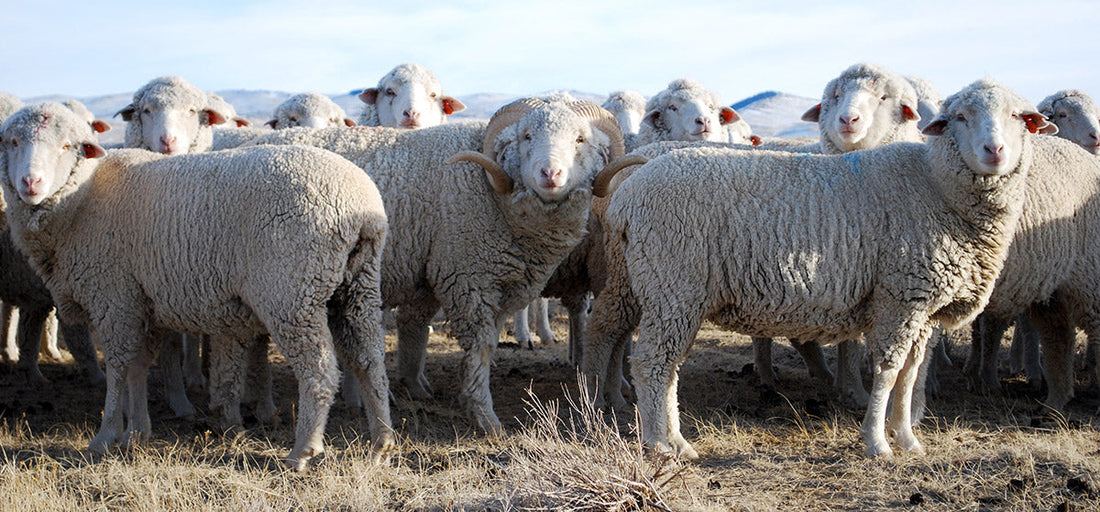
x: 171, y: 367
x: 814, y: 358
x: 9, y: 318
x: 849, y: 381
x: 79, y: 341
x: 902, y: 396
x: 664, y: 339
x: 542, y: 321
x: 361, y: 346
x: 258, y: 390
x: 892, y: 342
x: 413, y: 321
x: 762, y: 361
x: 48, y: 344
x: 124, y: 342
x: 924, y: 376
x: 29, y: 335
x: 521, y: 331
x: 192, y: 363
x: 137, y: 385
x: 1058, y: 337
x: 479, y: 343
x: 981, y: 366
x: 227, y: 371
x: 1024, y: 354
x: 308, y: 347
x: 615, y: 314
x: 577, y: 306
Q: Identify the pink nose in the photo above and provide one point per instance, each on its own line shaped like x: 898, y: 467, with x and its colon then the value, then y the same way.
x: 31, y: 181
x: 993, y: 150
x: 1095, y: 136
x: 412, y: 114
x: 167, y: 141
x: 551, y: 174
x: 703, y: 122
x: 848, y: 120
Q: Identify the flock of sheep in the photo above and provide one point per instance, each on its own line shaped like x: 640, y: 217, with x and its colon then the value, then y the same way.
x: 195, y: 240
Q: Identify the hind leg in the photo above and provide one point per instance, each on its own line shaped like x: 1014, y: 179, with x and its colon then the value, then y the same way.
x: 49, y: 337
x: 259, y: 381
x: 361, y: 346
x: 1058, y: 337
x: 192, y: 362
x: 29, y: 335
x: 170, y: 360
x: 227, y: 375
x: 577, y: 306
x: 79, y: 341
x: 413, y: 322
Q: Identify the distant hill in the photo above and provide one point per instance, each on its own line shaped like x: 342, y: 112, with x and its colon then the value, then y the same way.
x: 770, y: 113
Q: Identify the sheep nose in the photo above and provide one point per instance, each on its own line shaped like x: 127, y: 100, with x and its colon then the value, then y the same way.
x: 31, y: 181
x: 412, y: 114
x: 703, y: 121
x: 1095, y: 136
x: 167, y: 141
x: 551, y: 174
x: 993, y: 149
x: 849, y: 119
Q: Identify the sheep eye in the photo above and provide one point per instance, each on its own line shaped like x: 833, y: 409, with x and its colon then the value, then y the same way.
x: 673, y: 108
x: 15, y: 143
x: 434, y: 95
x: 390, y: 92
x: 1062, y: 115
x: 960, y: 117
x: 527, y: 136
x: 580, y: 139
x: 883, y: 98
x: 66, y: 147
x: 192, y: 112
x: 146, y: 111
x: 293, y: 119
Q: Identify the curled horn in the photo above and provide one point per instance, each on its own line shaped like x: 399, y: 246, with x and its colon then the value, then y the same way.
x: 503, y: 118
x: 603, y: 121
x: 502, y: 183
x: 602, y: 184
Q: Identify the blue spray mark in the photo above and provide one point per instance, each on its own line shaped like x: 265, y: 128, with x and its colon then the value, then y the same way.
x: 853, y: 161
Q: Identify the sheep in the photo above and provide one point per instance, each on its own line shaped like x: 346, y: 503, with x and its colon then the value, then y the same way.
x: 169, y: 115
x: 219, y: 105
x: 299, y: 236
x: 866, y: 106
x: 951, y: 206
x: 686, y: 110
x: 98, y: 125
x: 628, y: 107
x: 1048, y: 262
x: 310, y: 110
x: 928, y: 100
x: 9, y: 103
x: 409, y: 96
x: 479, y: 249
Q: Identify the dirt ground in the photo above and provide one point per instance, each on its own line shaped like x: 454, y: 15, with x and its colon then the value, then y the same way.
x: 792, y: 448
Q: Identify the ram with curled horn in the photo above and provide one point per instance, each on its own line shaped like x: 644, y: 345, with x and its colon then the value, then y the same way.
x: 503, y: 183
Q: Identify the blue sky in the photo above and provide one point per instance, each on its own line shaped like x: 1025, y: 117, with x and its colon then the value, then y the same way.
x: 736, y: 48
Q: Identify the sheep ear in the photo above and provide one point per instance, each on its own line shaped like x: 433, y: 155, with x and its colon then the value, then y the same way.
x: 100, y: 126
x: 756, y: 140
x: 127, y: 112
x: 452, y: 105
x: 936, y: 127
x: 1037, y: 123
x: 813, y: 115
x: 272, y: 123
x: 211, y: 117
x: 651, y: 118
x: 348, y: 122
x: 369, y: 96
x: 242, y: 122
x: 93, y: 150
x: 909, y: 114
x: 728, y: 115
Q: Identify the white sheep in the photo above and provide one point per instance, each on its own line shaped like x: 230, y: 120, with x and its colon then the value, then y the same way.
x: 219, y: 105
x: 169, y: 115
x: 686, y: 110
x: 477, y: 248
x: 814, y: 265
x: 309, y: 110
x: 299, y: 236
x: 409, y: 96
x: 628, y: 107
x: 1050, y: 261
x: 9, y: 103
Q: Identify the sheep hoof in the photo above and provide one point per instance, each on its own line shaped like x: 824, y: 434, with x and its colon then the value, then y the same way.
x: 101, y: 443
x: 488, y: 422
x: 384, y: 449
x: 875, y: 450
x: 300, y: 462
x: 684, y: 451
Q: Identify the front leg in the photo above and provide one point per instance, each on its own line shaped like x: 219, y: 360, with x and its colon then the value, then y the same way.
x: 897, y: 348
x: 413, y: 324
x: 479, y: 342
x: 124, y: 341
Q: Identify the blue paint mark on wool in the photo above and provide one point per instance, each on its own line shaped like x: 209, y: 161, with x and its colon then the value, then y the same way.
x: 853, y: 161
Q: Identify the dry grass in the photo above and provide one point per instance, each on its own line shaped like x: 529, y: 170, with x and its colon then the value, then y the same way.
x: 761, y: 449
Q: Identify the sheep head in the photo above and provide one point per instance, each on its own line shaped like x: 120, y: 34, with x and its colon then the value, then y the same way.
x: 989, y: 124
x: 866, y: 107
x: 410, y: 97
x: 169, y: 115
x: 1077, y: 117
x: 43, y: 146
x: 309, y: 110
x: 688, y: 111
x: 549, y: 148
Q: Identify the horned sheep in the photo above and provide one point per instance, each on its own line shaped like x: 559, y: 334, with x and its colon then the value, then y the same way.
x: 309, y: 224
x: 477, y: 248
x: 951, y: 204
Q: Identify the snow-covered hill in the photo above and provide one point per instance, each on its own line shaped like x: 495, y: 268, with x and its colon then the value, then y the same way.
x: 769, y: 113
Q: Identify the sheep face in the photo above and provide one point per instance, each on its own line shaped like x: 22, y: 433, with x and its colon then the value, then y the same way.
x: 1078, y: 119
x: 410, y: 97
x: 309, y: 110
x: 43, y: 146
x: 690, y: 115
x: 988, y: 124
x: 222, y: 107
x: 553, y: 152
x: 169, y: 115
x: 859, y: 112
x: 628, y: 107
